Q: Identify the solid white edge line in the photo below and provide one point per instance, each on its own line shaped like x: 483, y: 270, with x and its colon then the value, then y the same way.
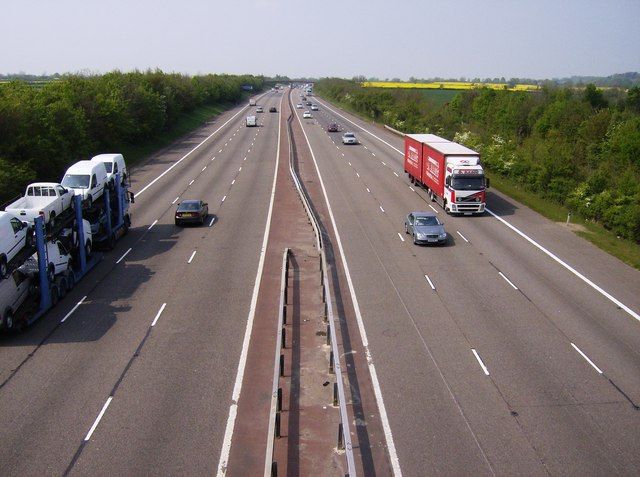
x: 401, y: 237
x: 463, y: 237
x: 155, y: 320
x: 433, y: 287
x: 568, y: 267
x: 587, y: 358
x: 507, y: 280
x: 73, y: 309
x: 155, y: 221
x: 484, y: 368
x: 237, y: 387
x: 526, y: 237
x: 123, y: 255
x: 95, y: 423
x: 189, y: 153
x: 191, y: 257
x: 391, y: 447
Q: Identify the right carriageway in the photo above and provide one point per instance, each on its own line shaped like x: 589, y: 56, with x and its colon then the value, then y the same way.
x: 492, y: 357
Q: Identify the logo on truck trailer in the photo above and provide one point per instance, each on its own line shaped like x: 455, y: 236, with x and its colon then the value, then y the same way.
x: 433, y: 169
x: 413, y: 156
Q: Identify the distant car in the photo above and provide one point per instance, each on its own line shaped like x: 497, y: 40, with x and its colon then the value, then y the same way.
x: 349, y: 138
x: 425, y: 227
x: 299, y: 106
x: 307, y: 115
x: 333, y: 127
x: 314, y: 107
x: 302, y: 97
x: 273, y: 109
x: 191, y: 211
x: 259, y: 109
x: 309, y: 103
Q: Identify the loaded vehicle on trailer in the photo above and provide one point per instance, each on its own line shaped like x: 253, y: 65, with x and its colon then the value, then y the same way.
x: 114, y: 164
x: 48, y: 199
x: 451, y: 173
x: 15, y: 235
x: 87, y: 179
x: 62, y: 255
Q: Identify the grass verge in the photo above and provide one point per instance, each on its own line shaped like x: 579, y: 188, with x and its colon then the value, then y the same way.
x: 625, y: 250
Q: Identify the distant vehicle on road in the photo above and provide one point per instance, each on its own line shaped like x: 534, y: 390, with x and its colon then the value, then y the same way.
x: 273, y: 109
x: 299, y: 106
x: 349, y: 138
x: 252, y: 102
x: 259, y: 109
x: 191, y: 211
x: 251, y: 121
x: 314, y: 107
x: 307, y: 115
x: 309, y: 103
x: 333, y: 127
x: 425, y: 228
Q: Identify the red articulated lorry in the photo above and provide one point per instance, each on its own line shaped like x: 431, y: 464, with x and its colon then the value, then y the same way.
x: 450, y: 172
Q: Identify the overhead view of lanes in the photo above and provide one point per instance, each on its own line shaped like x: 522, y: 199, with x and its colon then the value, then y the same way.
x: 492, y: 307
x: 86, y: 359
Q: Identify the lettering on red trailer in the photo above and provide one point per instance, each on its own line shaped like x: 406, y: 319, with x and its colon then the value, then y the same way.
x: 412, y: 156
x: 433, y: 169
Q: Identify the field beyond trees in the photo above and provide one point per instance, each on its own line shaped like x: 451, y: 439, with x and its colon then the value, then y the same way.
x: 45, y: 129
x: 579, y: 148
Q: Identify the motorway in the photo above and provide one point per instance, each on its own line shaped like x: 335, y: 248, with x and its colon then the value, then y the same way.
x: 488, y: 355
x: 156, y: 342
x: 493, y: 357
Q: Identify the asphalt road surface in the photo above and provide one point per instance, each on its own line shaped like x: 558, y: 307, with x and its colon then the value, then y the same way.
x: 493, y: 356
x: 514, y: 349
x: 164, y: 389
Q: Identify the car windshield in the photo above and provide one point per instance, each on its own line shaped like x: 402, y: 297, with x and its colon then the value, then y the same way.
x: 427, y: 221
x: 189, y: 206
x: 76, y: 181
x: 349, y: 135
x: 467, y: 182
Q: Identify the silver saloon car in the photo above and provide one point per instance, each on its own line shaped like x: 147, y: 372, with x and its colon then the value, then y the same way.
x: 425, y: 228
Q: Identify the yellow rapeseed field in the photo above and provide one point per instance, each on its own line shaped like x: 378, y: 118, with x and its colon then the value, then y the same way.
x: 448, y: 85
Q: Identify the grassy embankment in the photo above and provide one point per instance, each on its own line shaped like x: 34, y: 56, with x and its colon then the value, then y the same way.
x: 625, y: 250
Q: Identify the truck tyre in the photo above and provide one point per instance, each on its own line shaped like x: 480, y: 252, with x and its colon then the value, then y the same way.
x: 71, y: 281
x: 87, y: 250
x: 55, y: 297
x: 446, y: 209
x: 9, y: 323
x: 51, y: 273
x: 111, y: 242
x: 126, y: 223
x: 4, y: 269
x: 61, y: 285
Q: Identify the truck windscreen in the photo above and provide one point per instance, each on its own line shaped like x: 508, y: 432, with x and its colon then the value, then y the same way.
x: 467, y: 182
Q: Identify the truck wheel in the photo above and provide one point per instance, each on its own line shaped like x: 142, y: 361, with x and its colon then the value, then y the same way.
x: 446, y: 209
x: 126, y: 223
x: 55, y: 297
x: 51, y: 273
x: 432, y: 196
x: 9, y: 324
x: 4, y: 269
x: 71, y: 281
x: 111, y: 243
x: 87, y: 250
x: 61, y: 285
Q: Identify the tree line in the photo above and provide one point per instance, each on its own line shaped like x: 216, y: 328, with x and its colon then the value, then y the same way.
x: 577, y: 147
x: 44, y: 130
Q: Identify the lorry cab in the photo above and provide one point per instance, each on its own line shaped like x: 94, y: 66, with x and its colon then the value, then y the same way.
x: 114, y: 164
x: 14, y: 235
x: 87, y: 179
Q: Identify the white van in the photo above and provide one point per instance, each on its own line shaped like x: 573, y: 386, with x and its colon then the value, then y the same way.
x: 87, y: 179
x: 13, y: 292
x: 14, y: 235
x: 113, y: 163
x: 251, y: 121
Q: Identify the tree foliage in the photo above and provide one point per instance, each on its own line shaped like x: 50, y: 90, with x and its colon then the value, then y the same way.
x: 45, y: 129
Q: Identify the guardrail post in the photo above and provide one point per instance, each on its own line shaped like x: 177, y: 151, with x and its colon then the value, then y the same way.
x: 281, y: 365
x: 283, y: 342
x: 325, y: 317
x: 340, y: 437
x: 274, y: 469
x: 331, y: 371
x: 277, y: 426
x: 335, y: 394
x: 329, y: 335
x: 284, y: 310
x: 279, y: 401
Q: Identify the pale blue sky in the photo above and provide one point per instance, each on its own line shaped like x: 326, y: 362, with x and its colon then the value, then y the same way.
x: 490, y: 38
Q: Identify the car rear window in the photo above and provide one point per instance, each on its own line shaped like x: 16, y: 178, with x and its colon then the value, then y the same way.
x: 189, y: 206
